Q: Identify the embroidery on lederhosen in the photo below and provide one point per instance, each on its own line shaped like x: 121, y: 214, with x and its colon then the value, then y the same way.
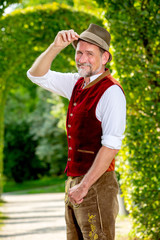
x: 92, y: 234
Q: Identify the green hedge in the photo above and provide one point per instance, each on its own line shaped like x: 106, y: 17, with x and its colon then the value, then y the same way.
x: 134, y: 27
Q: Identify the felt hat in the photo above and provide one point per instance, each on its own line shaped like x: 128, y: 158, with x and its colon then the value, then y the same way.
x: 96, y: 35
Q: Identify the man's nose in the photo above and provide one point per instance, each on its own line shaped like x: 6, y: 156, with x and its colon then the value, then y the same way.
x: 83, y: 59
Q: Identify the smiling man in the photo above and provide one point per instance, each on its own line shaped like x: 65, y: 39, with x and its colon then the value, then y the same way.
x: 95, y: 126
x: 89, y: 59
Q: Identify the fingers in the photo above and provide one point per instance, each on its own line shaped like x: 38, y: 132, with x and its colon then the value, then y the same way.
x: 73, y: 201
x: 75, y: 198
x: 77, y: 194
x: 69, y: 35
x: 80, y: 201
x: 64, y: 38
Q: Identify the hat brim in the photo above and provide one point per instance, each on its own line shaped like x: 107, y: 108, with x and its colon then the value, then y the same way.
x: 86, y: 39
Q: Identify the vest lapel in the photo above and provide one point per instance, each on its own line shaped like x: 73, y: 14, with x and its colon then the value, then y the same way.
x: 106, y: 73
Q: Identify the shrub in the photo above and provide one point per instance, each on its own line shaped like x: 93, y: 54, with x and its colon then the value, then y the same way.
x: 134, y: 30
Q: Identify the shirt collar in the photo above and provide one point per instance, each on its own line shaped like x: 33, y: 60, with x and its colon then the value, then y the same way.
x: 92, y: 78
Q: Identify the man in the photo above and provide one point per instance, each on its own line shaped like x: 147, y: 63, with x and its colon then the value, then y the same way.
x: 95, y: 126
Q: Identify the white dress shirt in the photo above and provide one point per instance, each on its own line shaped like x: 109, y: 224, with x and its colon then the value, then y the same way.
x: 110, y: 110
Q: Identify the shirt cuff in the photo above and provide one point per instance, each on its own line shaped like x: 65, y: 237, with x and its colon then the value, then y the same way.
x: 112, y: 142
x: 38, y: 79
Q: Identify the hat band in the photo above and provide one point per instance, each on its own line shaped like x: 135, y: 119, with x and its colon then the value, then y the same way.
x: 95, y: 38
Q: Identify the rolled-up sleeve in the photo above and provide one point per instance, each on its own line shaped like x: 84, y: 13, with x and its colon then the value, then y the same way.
x: 111, y: 111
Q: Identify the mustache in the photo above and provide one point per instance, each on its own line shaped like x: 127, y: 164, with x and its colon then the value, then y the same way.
x: 83, y: 64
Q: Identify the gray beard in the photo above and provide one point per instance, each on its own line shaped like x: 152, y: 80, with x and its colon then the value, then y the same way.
x: 84, y: 73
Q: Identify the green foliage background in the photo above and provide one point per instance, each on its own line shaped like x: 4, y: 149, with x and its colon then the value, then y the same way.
x: 23, y: 164
x: 25, y: 34
x: 134, y: 27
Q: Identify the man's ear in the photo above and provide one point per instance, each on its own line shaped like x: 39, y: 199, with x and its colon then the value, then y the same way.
x: 105, y: 57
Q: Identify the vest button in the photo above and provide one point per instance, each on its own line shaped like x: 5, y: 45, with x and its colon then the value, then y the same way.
x: 70, y: 148
x: 69, y: 159
x: 69, y: 125
x: 71, y: 114
x: 69, y: 137
x: 75, y: 104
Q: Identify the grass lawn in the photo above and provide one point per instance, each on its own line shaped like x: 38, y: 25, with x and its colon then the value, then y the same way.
x: 44, y: 185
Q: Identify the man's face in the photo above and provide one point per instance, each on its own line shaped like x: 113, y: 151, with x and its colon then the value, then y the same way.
x: 89, y: 59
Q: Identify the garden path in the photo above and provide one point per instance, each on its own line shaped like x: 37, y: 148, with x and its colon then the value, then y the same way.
x: 40, y: 217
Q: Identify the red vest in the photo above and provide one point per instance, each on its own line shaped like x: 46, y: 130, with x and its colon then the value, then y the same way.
x: 83, y: 128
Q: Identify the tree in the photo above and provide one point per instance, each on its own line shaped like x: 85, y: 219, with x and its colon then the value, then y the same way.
x: 134, y: 29
x: 25, y: 34
x: 51, y: 149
